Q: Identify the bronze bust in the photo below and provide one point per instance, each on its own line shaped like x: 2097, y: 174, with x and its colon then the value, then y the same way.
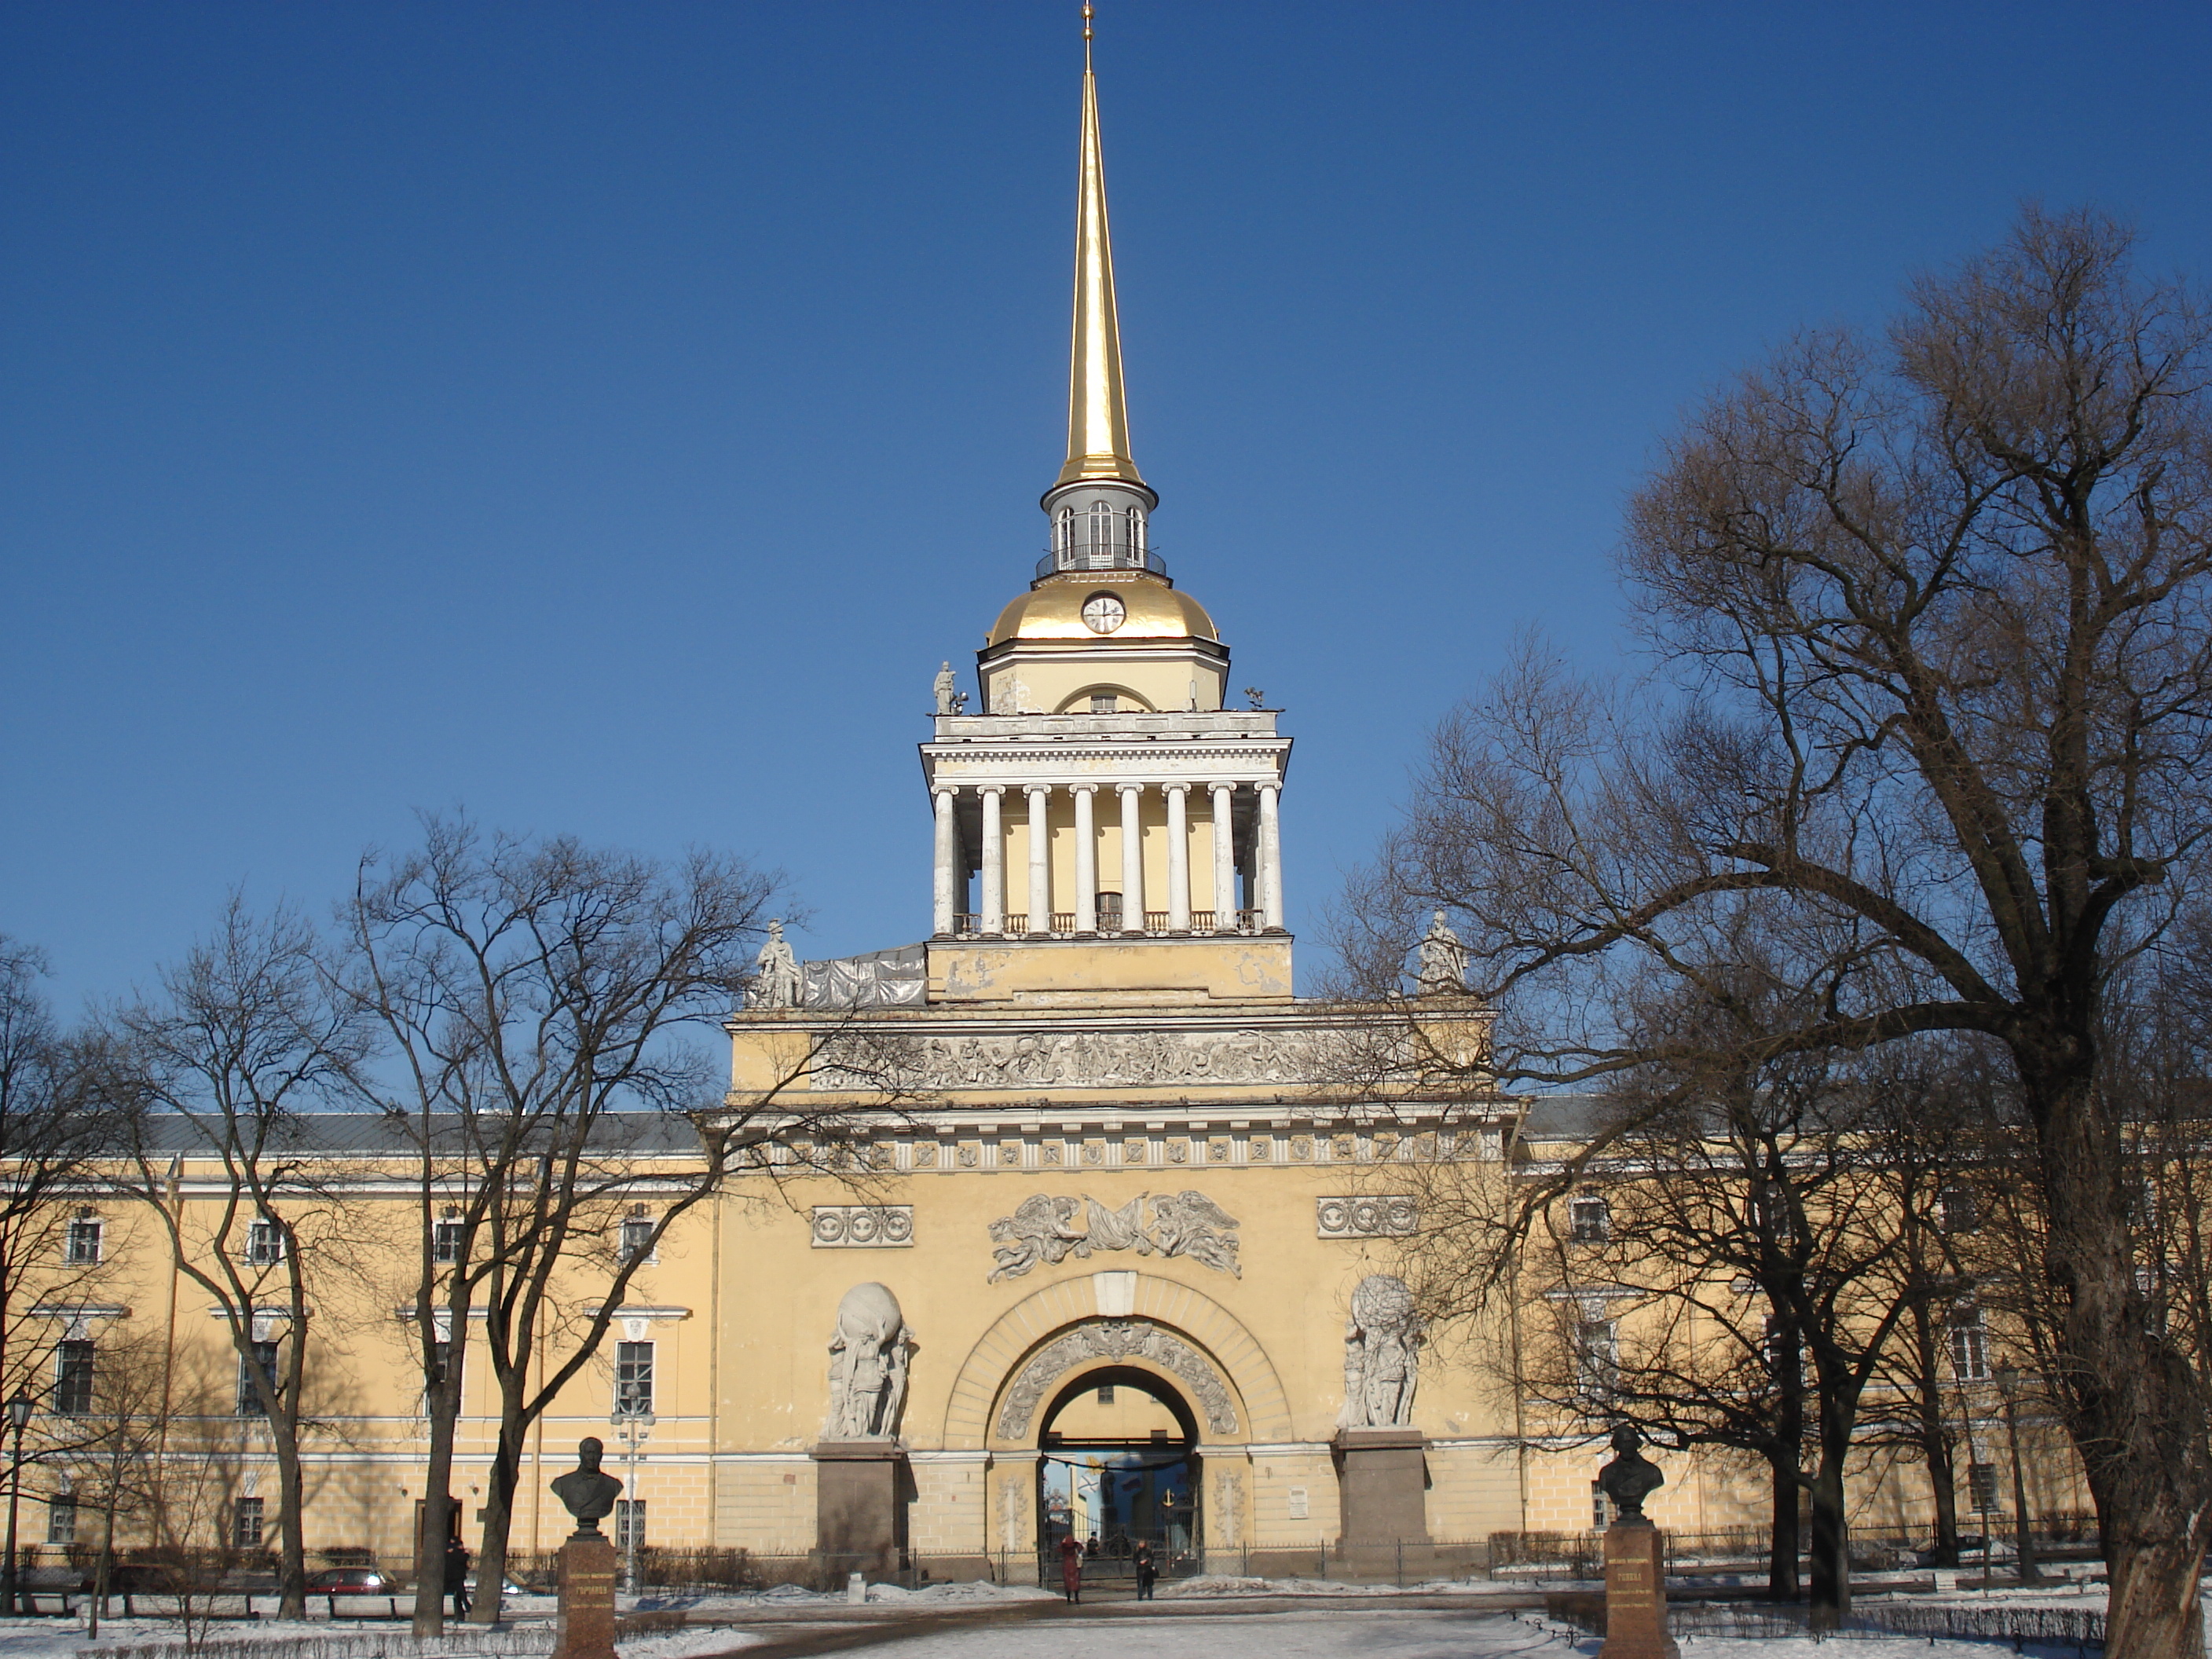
x: 587, y: 1490
x: 1630, y: 1477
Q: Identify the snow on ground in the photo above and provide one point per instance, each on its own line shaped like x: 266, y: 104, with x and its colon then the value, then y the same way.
x: 1215, y: 1584
x: 1357, y: 1634
x: 685, y: 1643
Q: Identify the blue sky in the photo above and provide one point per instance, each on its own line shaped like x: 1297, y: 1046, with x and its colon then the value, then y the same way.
x: 606, y: 417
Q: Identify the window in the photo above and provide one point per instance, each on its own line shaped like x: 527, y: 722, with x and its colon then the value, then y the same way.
x: 1063, y: 539
x: 1958, y: 1212
x: 1597, y: 1354
x: 264, y: 1241
x: 1590, y: 1219
x: 1982, y: 1488
x: 1600, y: 1509
x: 636, y: 1236
x: 1105, y: 1393
x: 1109, y: 913
x: 633, y: 1379
x: 629, y: 1524
x: 1102, y: 532
x: 73, y: 1379
x: 1136, y: 520
x: 61, y: 1519
x: 262, y: 1358
x: 1104, y: 703
x: 447, y: 1239
x: 82, y: 1248
x: 1970, y: 1347
x: 245, y: 1523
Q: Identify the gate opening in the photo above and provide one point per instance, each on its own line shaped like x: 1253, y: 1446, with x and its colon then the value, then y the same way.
x: 1119, y: 1466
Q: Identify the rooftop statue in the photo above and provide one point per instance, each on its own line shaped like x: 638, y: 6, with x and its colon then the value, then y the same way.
x: 1441, y: 969
x: 948, y: 691
x: 776, y: 982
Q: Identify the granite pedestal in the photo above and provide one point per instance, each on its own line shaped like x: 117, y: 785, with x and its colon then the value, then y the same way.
x: 860, y: 1508
x: 586, y: 1627
x: 1383, y: 1477
x: 1635, y: 1592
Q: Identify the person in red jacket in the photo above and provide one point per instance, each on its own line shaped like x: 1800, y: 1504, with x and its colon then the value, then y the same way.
x: 1071, y: 1567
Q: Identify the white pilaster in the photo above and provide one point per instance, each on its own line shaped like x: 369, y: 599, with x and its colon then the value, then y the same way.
x: 1040, y: 796
x: 1225, y: 856
x: 1086, y: 859
x: 994, y: 861
x: 1271, y: 857
x: 1133, y: 857
x: 947, y: 891
x: 1178, y: 796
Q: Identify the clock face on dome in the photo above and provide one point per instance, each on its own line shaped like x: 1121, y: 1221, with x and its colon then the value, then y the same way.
x: 1103, y: 613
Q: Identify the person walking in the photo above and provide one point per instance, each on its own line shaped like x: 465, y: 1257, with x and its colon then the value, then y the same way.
x: 457, y: 1575
x: 1147, y: 1571
x: 1071, y: 1568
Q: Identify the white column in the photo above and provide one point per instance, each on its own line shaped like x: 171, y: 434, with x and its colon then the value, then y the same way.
x: 1270, y: 858
x: 1040, y: 796
x: 948, y: 858
x: 994, y: 862
x: 1178, y: 796
x: 1086, y: 859
x: 1225, y: 856
x: 1132, y: 858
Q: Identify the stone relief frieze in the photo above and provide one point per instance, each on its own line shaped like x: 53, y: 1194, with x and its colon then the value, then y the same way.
x: 1044, y: 1229
x: 1388, y: 1216
x: 1116, y: 1339
x: 863, y: 1226
x: 1079, y: 1060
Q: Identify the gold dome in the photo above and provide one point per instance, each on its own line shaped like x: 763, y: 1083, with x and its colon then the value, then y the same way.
x: 1053, y: 611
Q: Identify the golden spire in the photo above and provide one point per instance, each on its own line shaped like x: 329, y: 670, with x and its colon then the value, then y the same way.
x: 1097, y: 415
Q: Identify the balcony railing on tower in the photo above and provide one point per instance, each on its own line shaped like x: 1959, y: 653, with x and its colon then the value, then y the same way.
x: 969, y: 925
x: 1112, y: 556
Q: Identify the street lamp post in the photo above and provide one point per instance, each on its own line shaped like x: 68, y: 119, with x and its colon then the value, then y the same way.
x: 632, y: 1425
x: 2023, y: 1540
x: 19, y: 1418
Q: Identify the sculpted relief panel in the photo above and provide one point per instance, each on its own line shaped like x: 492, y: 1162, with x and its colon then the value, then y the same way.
x: 1116, y: 1339
x: 1078, y: 1060
x: 1042, y: 1229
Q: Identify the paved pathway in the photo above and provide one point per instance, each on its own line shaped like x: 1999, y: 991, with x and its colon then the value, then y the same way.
x: 1167, y: 1633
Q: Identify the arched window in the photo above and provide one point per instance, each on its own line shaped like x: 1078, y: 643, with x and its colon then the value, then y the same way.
x: 1063, y: 534
x: 1102, y: 534
x: 1136, y: 538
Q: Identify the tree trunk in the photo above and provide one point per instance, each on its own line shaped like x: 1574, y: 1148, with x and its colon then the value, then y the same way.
x: 437, y: 1521
x: 1782, y: 1548
x: 1935, y: 1440
x: 1830, y: 1573
x: 499, y: 1508
x: 291, y: 1518
x: 2134, y: 1406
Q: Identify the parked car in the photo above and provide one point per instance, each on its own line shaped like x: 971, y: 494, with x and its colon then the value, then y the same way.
x: 350, y: 1581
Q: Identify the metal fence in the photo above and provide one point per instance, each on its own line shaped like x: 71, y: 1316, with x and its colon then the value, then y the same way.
x: 2080, y: 1628
x: 1873, y: 1548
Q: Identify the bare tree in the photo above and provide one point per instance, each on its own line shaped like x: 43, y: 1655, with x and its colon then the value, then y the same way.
x: 52, y: 1126
x: 243, y: 1040
x: 1935, y: 607
x: 535, y: 994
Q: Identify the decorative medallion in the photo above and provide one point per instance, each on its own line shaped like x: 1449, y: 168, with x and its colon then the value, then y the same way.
x: 1389, y: 1215
x: 863, y: 1226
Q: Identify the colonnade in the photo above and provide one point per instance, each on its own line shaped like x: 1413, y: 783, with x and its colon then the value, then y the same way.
x: 991, y: 912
